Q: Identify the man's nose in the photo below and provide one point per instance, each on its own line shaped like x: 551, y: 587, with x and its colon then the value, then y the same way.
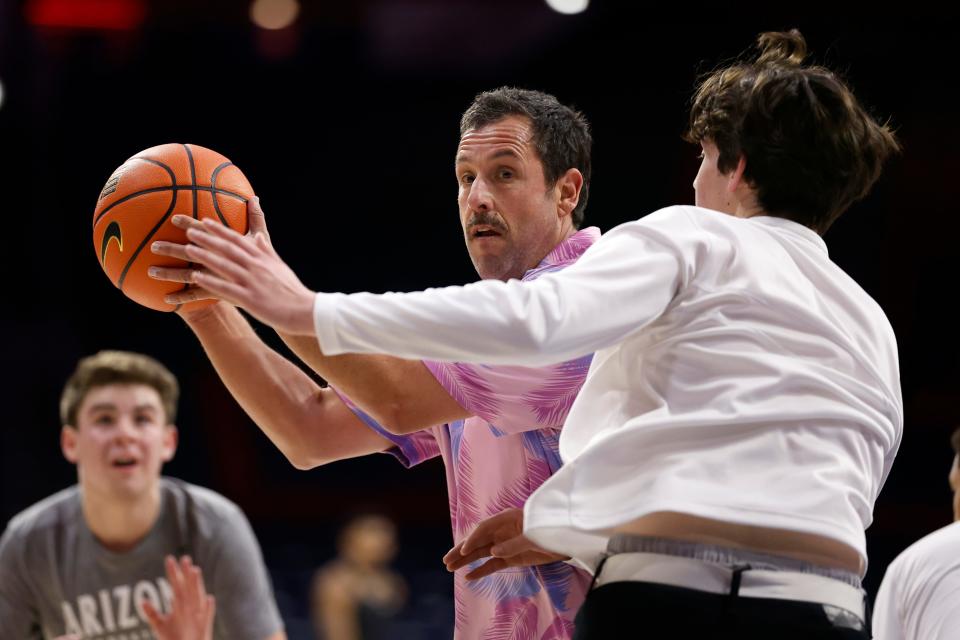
x: 481, y: 197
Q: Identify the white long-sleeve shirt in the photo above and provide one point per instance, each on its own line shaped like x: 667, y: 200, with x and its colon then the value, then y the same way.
x: 739, y: 375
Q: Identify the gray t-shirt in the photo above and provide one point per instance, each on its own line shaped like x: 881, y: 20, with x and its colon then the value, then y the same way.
x: 56, y: 578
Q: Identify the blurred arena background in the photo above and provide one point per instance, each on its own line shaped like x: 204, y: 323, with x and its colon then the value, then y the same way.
x: 344, y: 116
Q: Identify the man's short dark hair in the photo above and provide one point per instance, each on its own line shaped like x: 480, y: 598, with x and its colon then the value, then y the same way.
x: 811, y: 148
x: 561, y: 135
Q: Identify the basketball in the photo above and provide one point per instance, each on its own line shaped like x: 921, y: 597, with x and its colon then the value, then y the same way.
x: 140, y: 198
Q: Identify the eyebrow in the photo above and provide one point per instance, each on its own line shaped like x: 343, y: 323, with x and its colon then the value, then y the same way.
x: 103, y: 406
x: 109, y: 406
x: 461, y: 157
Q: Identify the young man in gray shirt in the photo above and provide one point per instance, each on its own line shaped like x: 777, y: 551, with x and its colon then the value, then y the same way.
x: 85, y: 560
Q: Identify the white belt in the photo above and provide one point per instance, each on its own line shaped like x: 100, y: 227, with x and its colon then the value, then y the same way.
x: 696, y: 574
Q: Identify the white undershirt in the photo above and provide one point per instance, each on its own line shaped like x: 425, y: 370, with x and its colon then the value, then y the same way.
x: 739, y: 375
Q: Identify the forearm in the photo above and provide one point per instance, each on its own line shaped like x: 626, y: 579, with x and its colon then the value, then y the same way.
x: 490, y: 322
x: 307, y: 423
x: 401, y: 395
x: 362, y: 377
x: 622, y: 283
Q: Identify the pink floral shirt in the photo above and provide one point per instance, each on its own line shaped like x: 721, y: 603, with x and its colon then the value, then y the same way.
x: 494, y: 461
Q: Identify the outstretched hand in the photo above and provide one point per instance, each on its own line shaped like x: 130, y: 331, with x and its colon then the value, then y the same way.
x: 191, y: 610
x: 243, y: 270
x: 500, y: 538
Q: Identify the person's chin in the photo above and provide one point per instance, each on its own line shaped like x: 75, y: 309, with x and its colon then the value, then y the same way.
x: 491, y: 270
x: 486, y: 262
x: 133, y: 481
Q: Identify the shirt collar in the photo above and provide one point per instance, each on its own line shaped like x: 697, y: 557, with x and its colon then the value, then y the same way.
x: 567, y: 252
x: 794, y: 228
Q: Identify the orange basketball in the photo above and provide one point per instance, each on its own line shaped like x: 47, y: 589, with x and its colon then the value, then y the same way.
x: 138, y: 201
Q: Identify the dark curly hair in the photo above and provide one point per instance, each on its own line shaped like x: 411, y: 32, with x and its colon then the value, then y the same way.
x: 811, y: 149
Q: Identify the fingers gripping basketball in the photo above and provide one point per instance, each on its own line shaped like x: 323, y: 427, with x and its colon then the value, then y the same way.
x: 140, y: 198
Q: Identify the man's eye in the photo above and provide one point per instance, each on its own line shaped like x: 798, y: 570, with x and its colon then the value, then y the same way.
x: 466, y: 178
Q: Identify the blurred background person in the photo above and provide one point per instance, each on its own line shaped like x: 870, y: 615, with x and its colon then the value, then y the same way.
x: 356, y: 595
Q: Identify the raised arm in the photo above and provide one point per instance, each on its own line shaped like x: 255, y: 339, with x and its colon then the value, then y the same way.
x: 309, y: 424
x: 621, y: 284
x: 402, y: 396
x: 626, y: 280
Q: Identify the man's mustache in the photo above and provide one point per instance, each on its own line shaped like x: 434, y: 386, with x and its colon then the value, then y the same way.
x: 486, y: 219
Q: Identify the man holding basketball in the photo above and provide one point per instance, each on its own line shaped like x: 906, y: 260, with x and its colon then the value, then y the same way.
x: 743, y: 408
x: 89, y: 561
x: 523, y: 170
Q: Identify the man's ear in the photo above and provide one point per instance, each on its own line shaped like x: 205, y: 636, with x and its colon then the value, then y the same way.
x: 68, y: 443
x: 171, y: 437
x: 569, y: 186
x: 735, y: 179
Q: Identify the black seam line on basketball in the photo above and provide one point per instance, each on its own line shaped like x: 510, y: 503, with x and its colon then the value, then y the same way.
x: 193, y: 181
x: 146, y: 239
x: 173, y: 177
x: 173, y: 183
x: 176, y: 187
x: 213, y: 195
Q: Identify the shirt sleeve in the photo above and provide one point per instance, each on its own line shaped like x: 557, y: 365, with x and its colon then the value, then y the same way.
x: 409, y: 449
x: 623, y: 282
x: 17, y: 608
x: 514, y: 399
x: 236, y: 574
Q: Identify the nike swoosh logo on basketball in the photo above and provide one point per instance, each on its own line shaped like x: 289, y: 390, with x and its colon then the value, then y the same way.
x: 112, y: 233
